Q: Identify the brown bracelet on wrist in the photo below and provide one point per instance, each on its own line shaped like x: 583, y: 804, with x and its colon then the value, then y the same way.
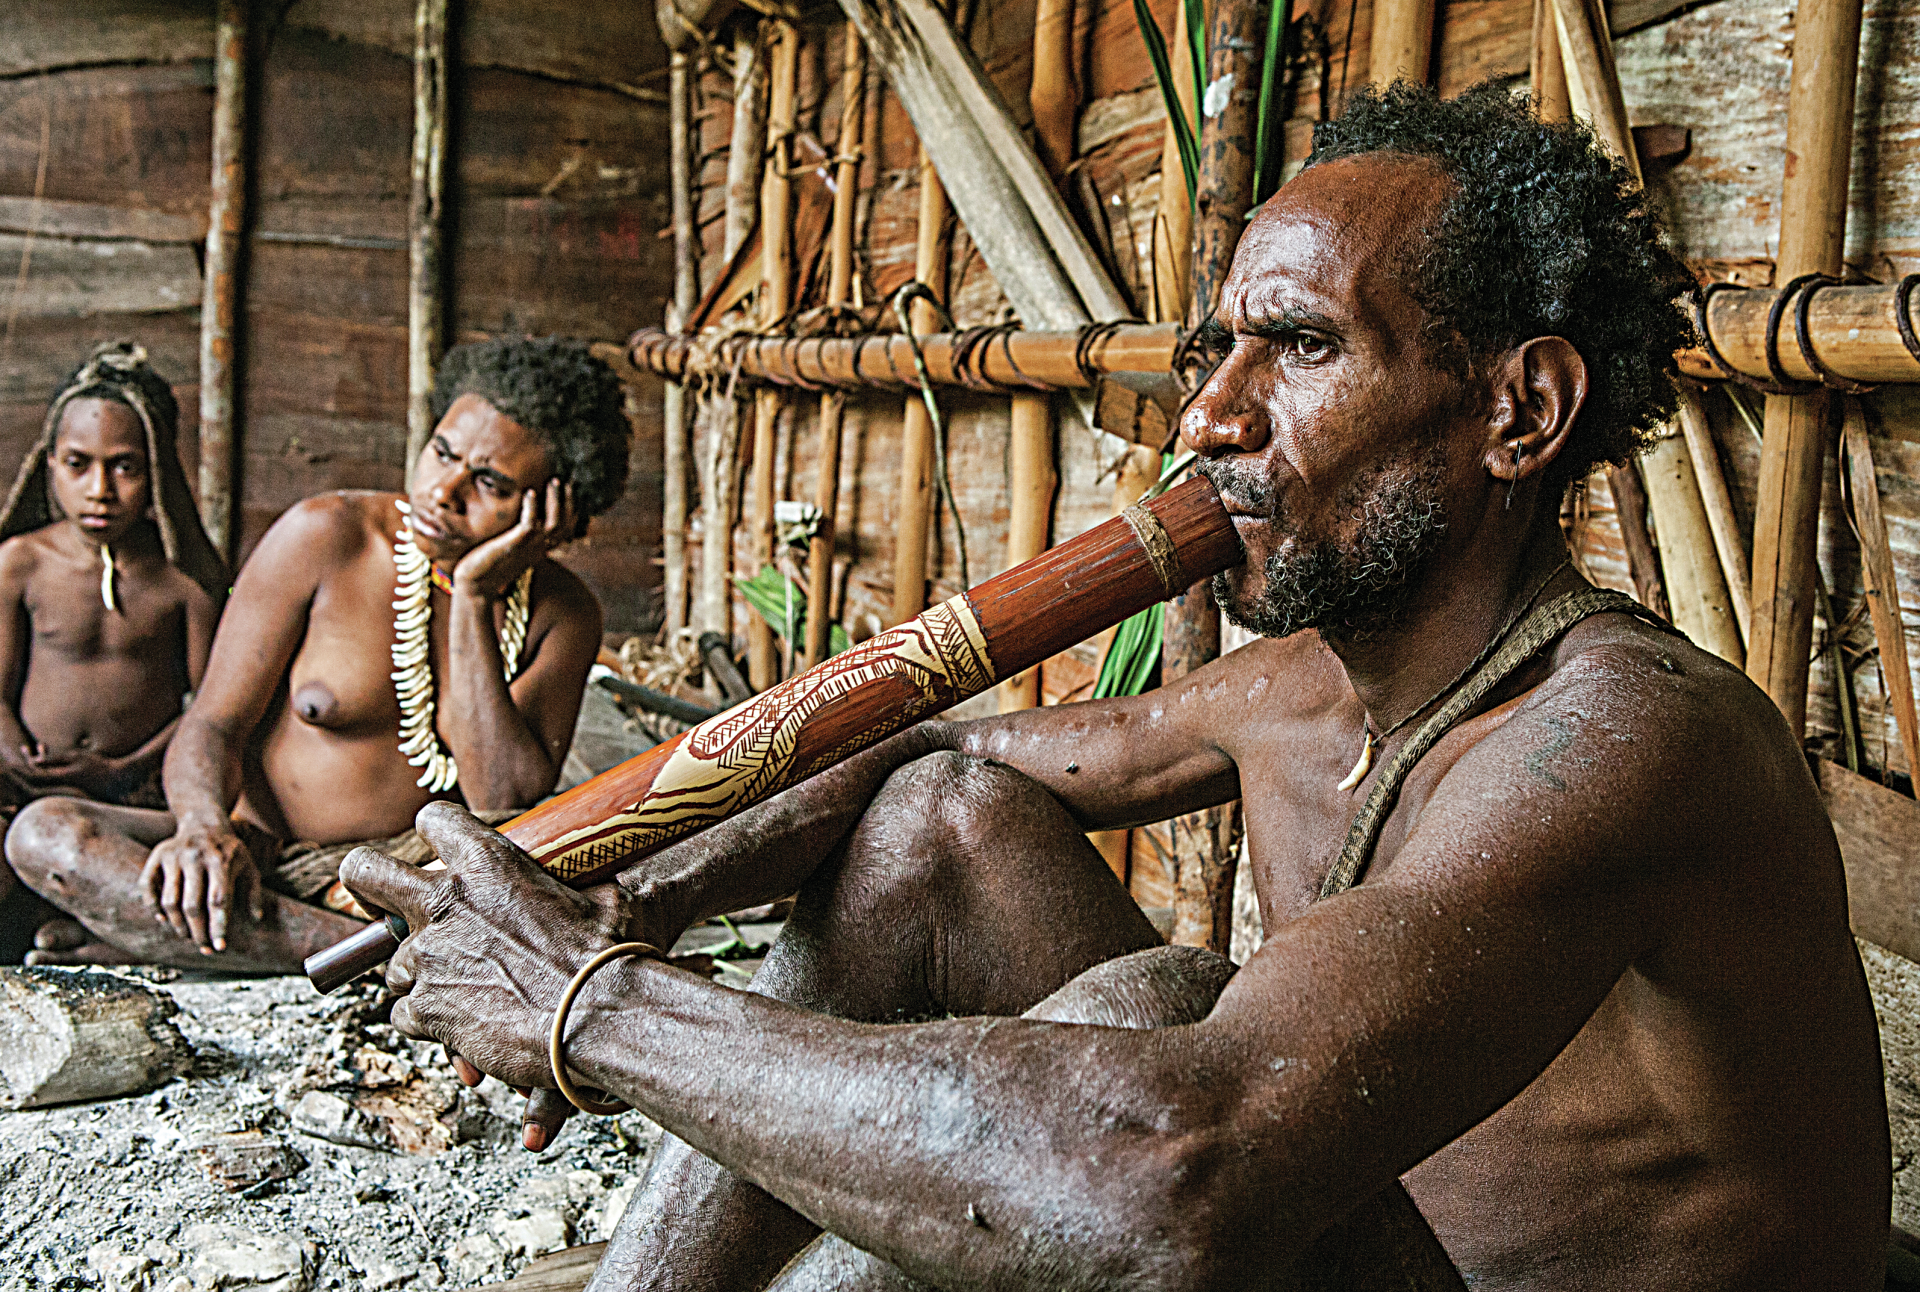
x: 556, y: 1054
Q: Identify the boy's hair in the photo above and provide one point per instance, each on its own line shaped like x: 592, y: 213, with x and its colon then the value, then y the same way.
x: 119, y: 371
x: 555, y: 388
x: 1543, y: 234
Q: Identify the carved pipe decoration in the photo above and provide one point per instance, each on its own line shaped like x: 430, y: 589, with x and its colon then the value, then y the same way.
x: 808, y: 723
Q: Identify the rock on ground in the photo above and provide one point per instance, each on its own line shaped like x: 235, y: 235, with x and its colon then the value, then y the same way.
x: 308, y: 1148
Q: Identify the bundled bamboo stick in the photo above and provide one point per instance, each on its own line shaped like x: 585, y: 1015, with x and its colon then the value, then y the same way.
x: 1402, y: 41
x: 1813, y: 215
x: 686, y: 290
x: 826, y: 490
x: 1882, y: 586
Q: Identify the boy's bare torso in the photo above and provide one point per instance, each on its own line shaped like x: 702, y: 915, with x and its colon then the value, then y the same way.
x: 1707, y: 1100
x: 98, y: 681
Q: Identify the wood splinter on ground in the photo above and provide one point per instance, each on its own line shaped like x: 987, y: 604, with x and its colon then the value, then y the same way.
x: 69, y: 1035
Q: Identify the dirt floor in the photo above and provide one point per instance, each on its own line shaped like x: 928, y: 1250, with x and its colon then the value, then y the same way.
x: 310, y: 1147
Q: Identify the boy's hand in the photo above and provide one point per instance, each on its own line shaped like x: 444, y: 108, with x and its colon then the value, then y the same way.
x: 545, y: 523
x: 91, y: 773
x: 194, y: 878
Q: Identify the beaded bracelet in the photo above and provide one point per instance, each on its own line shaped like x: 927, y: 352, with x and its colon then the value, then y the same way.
x: 556, y: 1055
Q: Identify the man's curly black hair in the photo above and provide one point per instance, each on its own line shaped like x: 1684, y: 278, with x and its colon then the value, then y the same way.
x: 1544, y: 234
x: 555, y: 388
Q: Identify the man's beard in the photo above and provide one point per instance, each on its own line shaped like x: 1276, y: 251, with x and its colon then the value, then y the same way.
x: 1346, y: 589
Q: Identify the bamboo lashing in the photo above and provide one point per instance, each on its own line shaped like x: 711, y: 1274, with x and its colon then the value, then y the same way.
x: 1402, y: 41
x: 828, y: 713
x: 1813, y: 215
x: 686, y: 291
x: 833, y: 404
x: 1688, y: 568
x: 1877, y: 572
x: 776, y: 298
x: 915, y: 500
x: 1547, y: 71
x: 425, y: 268
x: 220, y: 293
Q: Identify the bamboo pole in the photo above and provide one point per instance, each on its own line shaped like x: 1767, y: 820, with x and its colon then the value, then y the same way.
x: 686, y: 291
x: 1688, y: 568
x: 1206, y: 844
x: 776, y: 298
x: 916, y: 431
x: 1173, y: 221
x: 425, y: 263
x: 220, y: 302
x: 1053, y: 95
x: 1882, y: 585
x: 1547, y: 77
x: 720, y: 457
x: 826, y: 488
x: 1402, y: 41
x: 1813, y: 215
x: 1033, y: 478
x: 1728, y: 546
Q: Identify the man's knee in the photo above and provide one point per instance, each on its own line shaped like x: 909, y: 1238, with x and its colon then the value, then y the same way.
x: 1158, y: 987
x: 947, y: 799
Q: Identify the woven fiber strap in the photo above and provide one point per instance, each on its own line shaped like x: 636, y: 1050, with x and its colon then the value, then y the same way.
x: 1532, y: 633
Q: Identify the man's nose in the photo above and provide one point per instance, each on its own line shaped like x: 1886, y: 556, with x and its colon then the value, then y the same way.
x: 1222, y: 419
x: 445, y: 489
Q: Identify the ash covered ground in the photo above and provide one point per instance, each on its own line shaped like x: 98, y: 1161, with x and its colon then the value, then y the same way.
x: 311, y: 1146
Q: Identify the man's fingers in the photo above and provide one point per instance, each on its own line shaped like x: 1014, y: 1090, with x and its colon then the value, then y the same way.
x: 380, y: 881
x: 170, y: 902
x: 547, y: 1111
x: 151, y: 879
x: 460, y: 837
x: 403, y: 1019
x: 468, y: 1074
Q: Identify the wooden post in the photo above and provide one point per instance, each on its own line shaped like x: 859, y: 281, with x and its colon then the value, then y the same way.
x: 1728, y: 546
x: 686, y: 291
x: 776, y: 296
x: 1687, y: 569
x: 1402, y: 41
x: 746, y: 149
x: 1053, y: 95
x: 1207, y: 844
x: 220, y: 302
x: 1173, y: 222
x: 826, y: 487
x: 1882, y: 584
x: 1813, y: 217
x: 425, y: 268
x: 916, y: 431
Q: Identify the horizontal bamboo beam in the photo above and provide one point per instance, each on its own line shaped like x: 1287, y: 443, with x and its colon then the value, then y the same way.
x: 1853, y: 331
x: 886, y: 361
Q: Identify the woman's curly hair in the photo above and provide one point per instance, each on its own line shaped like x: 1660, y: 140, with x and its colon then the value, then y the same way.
x: 1543, y: 234
x: 555, y: 388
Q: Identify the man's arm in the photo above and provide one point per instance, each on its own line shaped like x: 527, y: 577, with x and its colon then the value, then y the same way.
x: 193, y: 876
x: 510, y: 740
x: 1361, y: 1038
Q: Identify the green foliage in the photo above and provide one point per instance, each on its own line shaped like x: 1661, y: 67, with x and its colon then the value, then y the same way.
x: 1185, y: 133
x: 1131, y: 658
x: 783, y: 604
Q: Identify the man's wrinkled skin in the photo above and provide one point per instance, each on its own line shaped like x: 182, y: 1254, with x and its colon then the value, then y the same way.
x: 1595, y: 1001
x: 295, y: 726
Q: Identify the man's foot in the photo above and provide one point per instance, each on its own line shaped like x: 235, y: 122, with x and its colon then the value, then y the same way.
x: 67, y: 942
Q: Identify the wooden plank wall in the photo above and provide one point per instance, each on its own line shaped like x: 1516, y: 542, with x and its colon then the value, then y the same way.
x: 557, y: 194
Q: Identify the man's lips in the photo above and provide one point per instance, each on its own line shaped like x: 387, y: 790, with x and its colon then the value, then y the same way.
x: 425, y: 526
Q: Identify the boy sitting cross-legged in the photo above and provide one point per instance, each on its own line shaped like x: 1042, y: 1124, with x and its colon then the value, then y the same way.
x: 109, y: 594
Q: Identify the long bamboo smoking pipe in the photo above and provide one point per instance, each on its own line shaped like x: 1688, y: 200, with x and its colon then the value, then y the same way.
x: 808, y: 723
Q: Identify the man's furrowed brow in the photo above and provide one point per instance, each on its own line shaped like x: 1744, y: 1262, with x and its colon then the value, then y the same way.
x: 1286, y: 321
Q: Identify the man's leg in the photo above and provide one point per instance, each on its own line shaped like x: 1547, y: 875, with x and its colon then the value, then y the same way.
x: 86, y: 858
x: 966, y: 889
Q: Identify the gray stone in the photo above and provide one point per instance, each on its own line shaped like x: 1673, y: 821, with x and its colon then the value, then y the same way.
x: 332, y: 1118
x: 226, y: 1256
x: 119, y: 1270
x: 243, y: 1159
x: 475, y: 1257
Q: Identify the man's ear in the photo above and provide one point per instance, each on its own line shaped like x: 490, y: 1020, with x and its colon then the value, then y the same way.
x: 1538, y: 388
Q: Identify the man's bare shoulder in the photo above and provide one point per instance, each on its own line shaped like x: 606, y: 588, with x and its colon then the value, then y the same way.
x: 1285, y: 678
x: 560, y: 593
